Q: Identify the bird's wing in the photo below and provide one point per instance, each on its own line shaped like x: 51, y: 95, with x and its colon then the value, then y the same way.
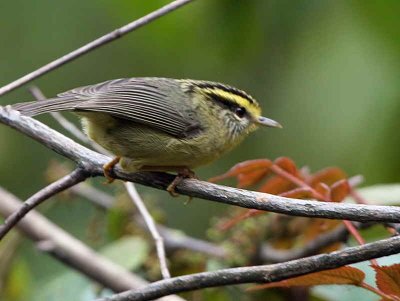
x: 140, y: 100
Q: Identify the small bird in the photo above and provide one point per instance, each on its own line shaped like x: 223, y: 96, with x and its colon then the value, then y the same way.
x: 159, y: 124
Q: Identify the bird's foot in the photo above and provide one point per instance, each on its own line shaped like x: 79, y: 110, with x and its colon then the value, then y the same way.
x: 184, y: 173
x: 107, y: 169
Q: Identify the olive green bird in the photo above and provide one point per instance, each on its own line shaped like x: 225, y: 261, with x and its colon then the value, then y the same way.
x: 159, y: 124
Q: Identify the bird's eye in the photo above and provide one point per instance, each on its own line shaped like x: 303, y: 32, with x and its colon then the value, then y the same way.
x: 240, y: 112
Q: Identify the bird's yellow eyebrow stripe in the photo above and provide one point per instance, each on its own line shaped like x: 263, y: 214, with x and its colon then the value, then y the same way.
x: 236, y: 99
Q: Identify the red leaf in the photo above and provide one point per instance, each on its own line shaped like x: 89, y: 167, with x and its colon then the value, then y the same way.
x: 340, y: 190
x: 388, y: 279
x: 328, y: 176
x: 324, y: 190
x: 276, y: 185
x: 244, y: 168
x: 298, y: 193
x: 251, y: 178
x: 287, y: 164
x: 343, y: 275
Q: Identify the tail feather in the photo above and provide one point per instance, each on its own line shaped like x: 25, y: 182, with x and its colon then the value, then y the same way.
x: 34, y: 108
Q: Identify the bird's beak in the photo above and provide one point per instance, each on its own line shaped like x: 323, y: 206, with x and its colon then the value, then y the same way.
x: 268, y: 122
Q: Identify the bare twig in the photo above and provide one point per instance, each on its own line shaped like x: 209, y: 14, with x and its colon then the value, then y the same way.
x: 78, y: 175
x: 273, y: 255
x: 115, y: 34
x: 137, y: 200
x: 173, y: 239
x: 72, y: 252
x: 93, y: 163
x: 94, y: 195
x: 261, y: 274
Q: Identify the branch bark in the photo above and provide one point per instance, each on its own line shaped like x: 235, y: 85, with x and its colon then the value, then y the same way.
x: 272, y: 255
x: 261, y: 274
x: 75, y: 177
x: 93, y: 162
x: 72, y: 252
x: 151, y: 225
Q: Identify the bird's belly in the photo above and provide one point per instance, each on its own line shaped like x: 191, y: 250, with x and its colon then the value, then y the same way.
x: 141, y: 146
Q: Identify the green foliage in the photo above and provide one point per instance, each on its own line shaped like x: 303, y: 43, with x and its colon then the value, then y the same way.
x: 18, y: 282
x: 129, y: 252
x: 327, y: 70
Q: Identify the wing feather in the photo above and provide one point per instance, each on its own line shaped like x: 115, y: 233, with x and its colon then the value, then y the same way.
x: 140, y: 100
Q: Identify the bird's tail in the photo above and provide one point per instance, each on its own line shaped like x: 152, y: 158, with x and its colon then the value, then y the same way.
x: 34, y: 108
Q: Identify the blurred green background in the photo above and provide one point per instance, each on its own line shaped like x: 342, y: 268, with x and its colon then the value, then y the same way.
x: 327, y: 70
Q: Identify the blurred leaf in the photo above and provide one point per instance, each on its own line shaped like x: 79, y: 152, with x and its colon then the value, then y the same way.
x: 117, y: 219
x: 129, y: 252
x: 287, y: 164
x: 388, y: 279
x: 251, y: 178
x: 350, y: 293
x: 215, y: 265
x: 298, y: 193
x: 328, y: 176
x: 340, y: 190
x: 243, y: 168
x: 382, y: 194
x: 276, y: 185
x: 343, y: 275
x: 67, y: 286
x: 18, y: 282
x: 323, y: 189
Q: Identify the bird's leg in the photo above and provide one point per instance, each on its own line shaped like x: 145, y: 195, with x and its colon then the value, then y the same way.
x: 183, y: 173
x: 108, y: 167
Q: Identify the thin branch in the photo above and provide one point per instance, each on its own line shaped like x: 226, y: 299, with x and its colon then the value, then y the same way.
x: 273, y: 255
x: 261, y: 274
x: 173, y: 239
x: 115, y: 34
x: 301, y: 183
x: 69, y: 250
x: 94, y: 195
x: 77, y: 176
x: 93, y: 163
x: 137, y: 200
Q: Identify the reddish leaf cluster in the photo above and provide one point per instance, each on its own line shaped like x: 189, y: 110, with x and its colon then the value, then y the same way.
x: 387, y: 280
x: 282, y: 177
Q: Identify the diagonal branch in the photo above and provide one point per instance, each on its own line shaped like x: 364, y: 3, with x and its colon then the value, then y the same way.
x: 56, y: 242
x: 75, y: 177
x: 261, y: 274
x: 173, y: 239
x: 137, y: 200
x: 93, y: 163
x: 115, y: 34
x: 272, y: 255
